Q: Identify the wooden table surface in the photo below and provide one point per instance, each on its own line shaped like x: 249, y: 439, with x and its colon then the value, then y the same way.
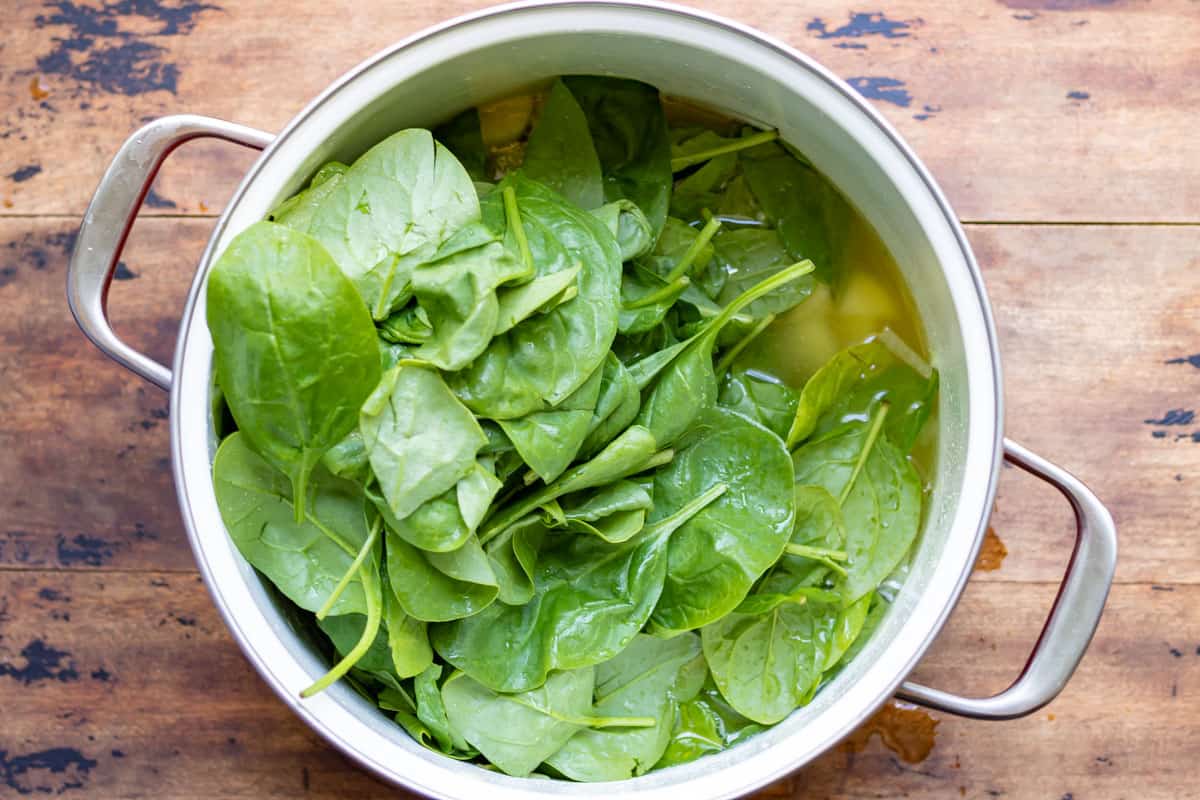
x: 1064, y: 133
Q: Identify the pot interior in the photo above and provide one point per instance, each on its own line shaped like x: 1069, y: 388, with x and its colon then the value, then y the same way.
x: 732, y: 71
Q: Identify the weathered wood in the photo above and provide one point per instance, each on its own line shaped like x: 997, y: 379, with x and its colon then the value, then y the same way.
x: 133, y: 678
x: 96, y: 490
x: 1024, y: 109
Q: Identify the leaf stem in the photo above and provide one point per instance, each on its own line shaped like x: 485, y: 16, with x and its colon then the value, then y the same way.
x: 744, y: 143
x: 369, y: 576
x: 693, y: 252
x: 512, y: 216
x: 668, y: 291
x: 354, y: 567
x: 815, y: 552
x: 672, y: 523
x: 872, y: 435
x: 657, y: 460
x: 730, y: 355
x: 764, y: 287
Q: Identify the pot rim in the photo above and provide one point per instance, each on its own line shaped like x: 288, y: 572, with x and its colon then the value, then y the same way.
x: 514, y: 787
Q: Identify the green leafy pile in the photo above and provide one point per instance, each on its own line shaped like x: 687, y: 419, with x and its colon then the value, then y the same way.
x: 491, y: 436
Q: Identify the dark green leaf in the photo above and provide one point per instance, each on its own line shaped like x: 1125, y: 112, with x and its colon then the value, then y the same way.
x: 560, y: 153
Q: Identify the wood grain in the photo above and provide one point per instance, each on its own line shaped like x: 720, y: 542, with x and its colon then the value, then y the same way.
x: 96, y: 492
x: 1024, y: 109
x: 133, y: 677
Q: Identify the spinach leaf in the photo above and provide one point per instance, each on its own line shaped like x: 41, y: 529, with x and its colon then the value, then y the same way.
x: 445, y: 522
x: 464, y: 137
x: 687, y: 385
x: 295, y: 353
x: 560, y: 153
x: 391, y: 211
x: 716, y: 557
x: 549, y: 440
x: 761, y: 397
x: 420, y: 440
x: 629, y: 226
x: 407, y: 638
x: 297, y: 212
x: 346, y: 630
x: 513, y: 558
x: 638, y: 681
x: 616, y: 406
x: 853, y: 385
x: 541, y: 361
x: 305, y: 560
x: 590, y: 598
x: 703, y: 725
x: 847, y: 629
x: 538, y: 295
x: 348, y: 459
x: 436, y: 587
x: 625, y: 455
x: 410, y: 325
x: 458, y: 293
x: 517, y: 732
x: 431, y: 710
x: 750, y: 255
x: 879, y: 492
x: 767, y: 665
x: 629, y: 132
x: 811, y: 216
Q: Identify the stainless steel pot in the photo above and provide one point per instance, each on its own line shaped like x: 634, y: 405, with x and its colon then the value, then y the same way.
x: 430, y: 76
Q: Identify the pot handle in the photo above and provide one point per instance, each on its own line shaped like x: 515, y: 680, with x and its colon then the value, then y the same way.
x: 1073, y: 618
x: 110, y: 216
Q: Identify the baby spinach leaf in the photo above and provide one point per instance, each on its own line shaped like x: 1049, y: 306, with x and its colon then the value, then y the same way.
x: 458, y: 293
x: 719, y: 553
x: 629, y: 132
x: 517, y: 732
x: 750, y: 255
x: 623, y: 456
x: 306, y: 559
x: 407, y: 326
x: 431, y: 710
x: 513, y: 558
x: 761, y: 397
x: 344, y: 632
x: 295, y: 353
x: 560, y: 153
x: 590, y: 599
x: 626, y: 222
x: 420, y: 439
x: 622, y: 495
x: 549, y: 440
x: 542, y: 360
x: 879, y: 492
x: 810, y: 215
x: 616, y: 406
x: 445, y: 522
x: 297, y: 212
x: 407, y: 638
x: 703, y: 725
x: 391, y: 211
x: 348, y: 459
x: 436, y: 587
x: 853, y: 384
x: 846, y: 630
x: 766, y: 665
x: 464, y: 137
x: 687, y: 385
x: 521, y: 302
x: 638, y: 681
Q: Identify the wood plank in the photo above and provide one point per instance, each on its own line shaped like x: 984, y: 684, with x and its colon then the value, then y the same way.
x: 1024, y: 109
x: 96, y: 672
x: 96, y: 490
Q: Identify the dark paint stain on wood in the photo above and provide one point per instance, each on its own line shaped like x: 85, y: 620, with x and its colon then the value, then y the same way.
x: 155, y: 200
x: 850, y: 46
x: 907, y: 731
x: 102, y: 675
x: 82, y: 549
x: 889, y: 90
x: 99, y: 53
x: 52, y: 595
x: 15, y: 548
x: 1194, y: 360
x: 1158, y: 588
x: 118, y: 753
x: 927, y: 112
x: 1174, y: 416
x: 24, y: 173
x: 1176, y: 652
x: 1078, y: 95
x: 53, y: 771
x: 123, y: 272
x: 1025, y: 17
x: 42, y: 663
x: 860, y: 24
